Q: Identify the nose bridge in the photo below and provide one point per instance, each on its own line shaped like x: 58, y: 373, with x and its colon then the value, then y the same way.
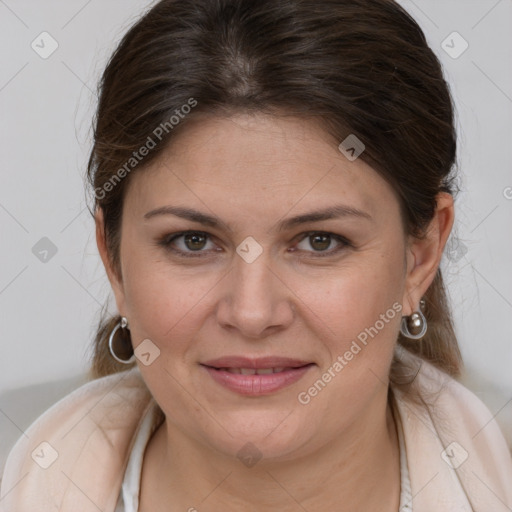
x: 252, y: 287
x: 253, y: 279
x: 254, y: 299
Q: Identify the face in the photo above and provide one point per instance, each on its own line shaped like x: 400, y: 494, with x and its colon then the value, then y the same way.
x: 255, y: 245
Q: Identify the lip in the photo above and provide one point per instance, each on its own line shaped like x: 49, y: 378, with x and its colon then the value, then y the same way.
x: 256, y: 385
x: 256, y: 363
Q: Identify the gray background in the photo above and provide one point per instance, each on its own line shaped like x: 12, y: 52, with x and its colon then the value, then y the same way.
x: 49, y: 308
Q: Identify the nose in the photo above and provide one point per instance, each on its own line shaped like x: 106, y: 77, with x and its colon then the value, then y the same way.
x: 255, y: 301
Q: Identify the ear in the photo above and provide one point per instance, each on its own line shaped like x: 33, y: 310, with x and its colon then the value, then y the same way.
x: 424, y: 256
x: 115, y: 280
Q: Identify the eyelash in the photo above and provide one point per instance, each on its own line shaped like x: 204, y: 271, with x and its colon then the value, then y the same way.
x: 167, y: 240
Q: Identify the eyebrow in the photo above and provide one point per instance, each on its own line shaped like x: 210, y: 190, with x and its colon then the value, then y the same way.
x: 332, y: 212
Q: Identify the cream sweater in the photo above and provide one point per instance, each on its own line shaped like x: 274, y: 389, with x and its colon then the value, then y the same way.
x: 73, y: 458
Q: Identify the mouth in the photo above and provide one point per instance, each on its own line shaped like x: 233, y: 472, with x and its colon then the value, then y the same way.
x: 254, y: 371
x: 256, y: 377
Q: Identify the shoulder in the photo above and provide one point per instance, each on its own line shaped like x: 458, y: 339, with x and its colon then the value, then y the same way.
x: 450, y: 405
x: 73, y: 456
x: 453, y: 438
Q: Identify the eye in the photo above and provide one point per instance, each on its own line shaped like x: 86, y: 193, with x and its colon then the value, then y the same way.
x: 188, y: 243
x: 199, y: 243
x: 322, y: 242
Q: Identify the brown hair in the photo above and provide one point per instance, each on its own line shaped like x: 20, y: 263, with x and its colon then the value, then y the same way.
x: 360, y: 67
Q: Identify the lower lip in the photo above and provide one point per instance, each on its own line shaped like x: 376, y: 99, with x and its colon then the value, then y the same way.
x: 257, y: 385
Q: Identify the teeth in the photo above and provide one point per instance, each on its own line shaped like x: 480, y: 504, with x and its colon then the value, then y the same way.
x: 253, y: 371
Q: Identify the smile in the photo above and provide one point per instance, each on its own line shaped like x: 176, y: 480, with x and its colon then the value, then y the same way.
x: 254, y: 371
x: 256, y: 377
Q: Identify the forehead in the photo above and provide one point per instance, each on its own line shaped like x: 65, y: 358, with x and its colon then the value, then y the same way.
x: 251, y: 162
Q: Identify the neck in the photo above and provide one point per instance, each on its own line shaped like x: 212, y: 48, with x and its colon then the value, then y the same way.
x: 358, y: 470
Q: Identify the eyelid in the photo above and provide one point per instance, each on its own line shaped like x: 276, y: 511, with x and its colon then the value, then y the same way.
x: 344, y: 242
x: 166, y: 241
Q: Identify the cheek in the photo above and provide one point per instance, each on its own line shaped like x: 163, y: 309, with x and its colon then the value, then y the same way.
x: 347, y: 302
x: 168, y: 308
x: 164, y: 302
x: 359, y: 312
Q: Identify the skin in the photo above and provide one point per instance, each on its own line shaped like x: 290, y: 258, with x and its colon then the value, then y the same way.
x: 337, y: 452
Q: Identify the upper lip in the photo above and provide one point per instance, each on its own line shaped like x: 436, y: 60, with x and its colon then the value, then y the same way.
x: 256, y: 363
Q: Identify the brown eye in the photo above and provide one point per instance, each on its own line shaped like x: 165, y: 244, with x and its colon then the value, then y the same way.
x: 189, y: 243
x: 195, y: 241
x: 322, y: 244
x: 320, y: 241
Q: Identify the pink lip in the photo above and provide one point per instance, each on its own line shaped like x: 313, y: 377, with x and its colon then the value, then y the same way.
x: 256, y: 385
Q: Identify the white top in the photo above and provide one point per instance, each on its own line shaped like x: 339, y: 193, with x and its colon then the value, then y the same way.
x: 129, y: 496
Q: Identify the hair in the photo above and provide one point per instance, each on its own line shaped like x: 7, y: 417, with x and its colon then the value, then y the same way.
x: 359, y: 67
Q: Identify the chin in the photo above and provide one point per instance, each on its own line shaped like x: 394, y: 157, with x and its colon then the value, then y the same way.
x: 276, y: 434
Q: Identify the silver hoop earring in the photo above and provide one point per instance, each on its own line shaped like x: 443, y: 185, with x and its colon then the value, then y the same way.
x: 414, y: 326
x: 121, y: 346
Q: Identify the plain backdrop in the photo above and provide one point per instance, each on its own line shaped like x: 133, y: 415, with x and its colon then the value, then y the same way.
x: 49, y: 309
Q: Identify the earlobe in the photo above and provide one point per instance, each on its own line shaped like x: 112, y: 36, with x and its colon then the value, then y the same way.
x: 424, y: 255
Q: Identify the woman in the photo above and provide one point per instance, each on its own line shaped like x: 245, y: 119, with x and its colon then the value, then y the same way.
x: 273, y: 194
